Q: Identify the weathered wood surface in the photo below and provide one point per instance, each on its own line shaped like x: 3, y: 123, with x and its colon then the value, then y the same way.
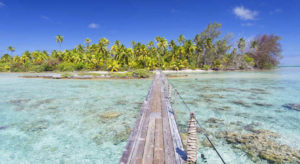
x: 155, y: 137
x: 140, y: 124
x: 168, y: 139
x: 177, y: 142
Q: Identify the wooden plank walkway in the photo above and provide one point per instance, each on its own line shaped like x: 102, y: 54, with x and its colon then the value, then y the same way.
x: 155, y: 137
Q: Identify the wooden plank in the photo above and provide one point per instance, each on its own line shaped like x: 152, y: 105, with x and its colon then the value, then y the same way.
x: 155, y: 136
x: 133, y: 139
x: 140, y: 161
x: 138, y: 151
x: 176, y: 139
x: 168, y: 140
x: 177, y: 142
x: 149, y: 145
x: 159, y: 142
x: 141, y: 140
x: 150, y: 139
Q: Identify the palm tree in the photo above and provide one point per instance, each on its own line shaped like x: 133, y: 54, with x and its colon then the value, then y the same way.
x: 133, y: 43
x: 104, y: 42
x: 162, y: 45
x: 113, y: 66
x: 6, y: 58
x: 117, y: 43
x: 114, y: 50
x: 80, y: 48
x: 161, y: 42
x: 181, y: 39
x: 102, y: 47
x: 172, y: 44
x: 87, y: 41
x: 150, y: 44
x: 59, y: 39
x: 173, y: 48
x: 11, y: 49
x: 242, y: 45
x: 189, y: 49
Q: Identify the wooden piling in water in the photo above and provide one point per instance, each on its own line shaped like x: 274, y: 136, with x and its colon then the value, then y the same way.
x: 192, y: 140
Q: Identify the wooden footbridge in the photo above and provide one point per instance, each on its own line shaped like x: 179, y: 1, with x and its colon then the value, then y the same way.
x: 155, y: 137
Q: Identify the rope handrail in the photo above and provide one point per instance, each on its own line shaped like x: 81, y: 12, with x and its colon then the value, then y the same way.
x: 202, y: 129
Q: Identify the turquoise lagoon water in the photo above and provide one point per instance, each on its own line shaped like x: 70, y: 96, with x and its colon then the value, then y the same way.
x: 63, y: 121
x: 241, y: 99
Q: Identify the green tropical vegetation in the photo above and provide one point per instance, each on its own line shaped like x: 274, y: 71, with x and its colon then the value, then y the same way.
x: 207, y: 50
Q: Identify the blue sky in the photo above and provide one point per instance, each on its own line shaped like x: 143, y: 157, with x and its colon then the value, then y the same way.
x: 33, y: 24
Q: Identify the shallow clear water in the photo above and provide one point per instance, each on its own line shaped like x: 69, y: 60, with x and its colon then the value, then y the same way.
x: 67, y: 121
x: 89, y: 121
x: 239, y: 99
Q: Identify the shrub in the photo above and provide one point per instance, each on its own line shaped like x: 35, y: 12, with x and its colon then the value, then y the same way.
x: 216, y: 64
x: 249, y: 60
x: 174, y: 65
x: 141, y: 73
x: 4, y: 67
x: 121, y: 75
x: 48, y: 67
x: 66, y: 75
x: 79, y: 66
x: 36, y: 68
x: 88, y: 74
x: 206, y: 67
x: 64, y: 67
x: 16, y: 67
x: 193, y: 67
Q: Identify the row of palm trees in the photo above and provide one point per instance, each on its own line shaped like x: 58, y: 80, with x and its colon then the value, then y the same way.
x: 206, y: 51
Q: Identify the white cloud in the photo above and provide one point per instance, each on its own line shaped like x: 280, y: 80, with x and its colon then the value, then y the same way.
x: 93, y: 25
x: 245, y: 14
x: 2, y: 4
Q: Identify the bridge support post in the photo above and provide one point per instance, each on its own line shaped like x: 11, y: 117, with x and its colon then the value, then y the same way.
x: 192, y: 140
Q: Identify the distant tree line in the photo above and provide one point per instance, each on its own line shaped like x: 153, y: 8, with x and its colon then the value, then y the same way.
x: 206, y: 51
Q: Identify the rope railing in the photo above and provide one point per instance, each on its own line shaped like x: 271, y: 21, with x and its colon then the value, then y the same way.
x: 198, y: 123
